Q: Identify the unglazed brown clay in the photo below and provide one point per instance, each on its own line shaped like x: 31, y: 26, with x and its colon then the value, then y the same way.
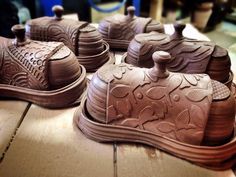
x: 83, y: 39
x: 119, y: 30
x: 45, y: 73
x: 201, y: 14
x: 188, y: 55
x: 178, y: 113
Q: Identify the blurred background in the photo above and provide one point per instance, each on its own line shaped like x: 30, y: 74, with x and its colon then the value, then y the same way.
x: 206, y: 15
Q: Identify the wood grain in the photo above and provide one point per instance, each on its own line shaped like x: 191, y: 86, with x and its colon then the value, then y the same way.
x: 144, y: 161
x: 48, y: 144
x: 10, y: 117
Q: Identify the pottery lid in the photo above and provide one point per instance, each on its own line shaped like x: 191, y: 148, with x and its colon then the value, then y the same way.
x: 82, y: 38
x: 154, y: 99
x: 35, y: 64
x: 188, y: 55
x: 124, y: 27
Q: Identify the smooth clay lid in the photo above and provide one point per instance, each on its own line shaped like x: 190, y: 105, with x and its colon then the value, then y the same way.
x: 80, y: 37
x: 188, y: 55
x: 118, y: 30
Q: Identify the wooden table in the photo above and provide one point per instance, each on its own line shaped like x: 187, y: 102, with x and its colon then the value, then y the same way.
x: 40, y: 142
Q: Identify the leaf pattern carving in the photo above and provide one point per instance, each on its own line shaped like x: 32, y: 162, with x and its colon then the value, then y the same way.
x: 181, y: 135
x: 197, y: 116
x: 118, y: 72
x: 120, y: 91
x: 184, y: 84
x: 174, y: 83
x: 196, y: 95
x: 196, y: 77
x: 165, y: 127
x: 145, y: 115
x: 160, y: 108
x: 156, y: 93
x: 130, y: 122
x: 124, y: 107
x: 191, y: 79
x: 146, y: 112
x: 191, y: 137
x: 183, y: 119
x: 112, y: 113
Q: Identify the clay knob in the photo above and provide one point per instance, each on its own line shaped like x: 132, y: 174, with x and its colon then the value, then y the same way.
x: 19, y: 32
x: 160, y: 59
x: 131, y: 11
x: 58, y: 11
x: 179, y: 27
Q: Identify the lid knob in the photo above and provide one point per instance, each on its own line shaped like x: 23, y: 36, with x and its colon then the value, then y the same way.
x: 159, y: 70
x: 19, y: 32
x: 179, y: 27
x: 131, y: 11
x: 58, y: 11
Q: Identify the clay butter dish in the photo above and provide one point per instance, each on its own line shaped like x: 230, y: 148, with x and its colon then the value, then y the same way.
x: 80, y: 37
x: 118, y: 30
x: 44, y: 73
x: 187, y: 115
x: 188, y: 55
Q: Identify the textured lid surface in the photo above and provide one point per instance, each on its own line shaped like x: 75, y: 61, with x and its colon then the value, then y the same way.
x: 126, y: 27
x: 188, y: 55
x: 34, y: 64
x: 174, y: 105
x: 82, y: 38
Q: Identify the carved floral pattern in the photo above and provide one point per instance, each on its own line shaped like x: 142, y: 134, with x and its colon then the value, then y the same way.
x: 175, y: 107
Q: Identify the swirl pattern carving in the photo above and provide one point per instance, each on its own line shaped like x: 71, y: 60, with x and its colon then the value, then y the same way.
x: 26, y: 66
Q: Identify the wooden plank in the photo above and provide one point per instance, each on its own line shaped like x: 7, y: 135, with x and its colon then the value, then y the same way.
x: 48, y: 144
x: 10, y: 117
x: 141, y: 161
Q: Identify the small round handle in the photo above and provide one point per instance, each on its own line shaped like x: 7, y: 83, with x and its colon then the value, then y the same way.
x: 19, y: 32
x: 160, y: 59
x: 58, y: 11
x: 179, y: 27
x: 131, y: 11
